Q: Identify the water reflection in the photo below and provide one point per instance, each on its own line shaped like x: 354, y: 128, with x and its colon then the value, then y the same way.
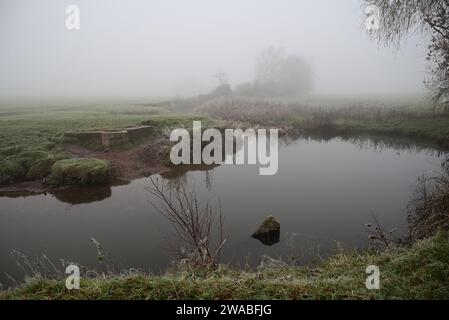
x: 79, y: 195
x: 375, y: 143
x: 178, y: 174
x: 268, y: 238
x: 71, y: 195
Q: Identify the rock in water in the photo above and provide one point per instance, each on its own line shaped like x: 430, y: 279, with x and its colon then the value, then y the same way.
x: 268, y: 232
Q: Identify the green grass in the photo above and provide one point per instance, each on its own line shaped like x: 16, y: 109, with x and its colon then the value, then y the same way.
x: 432, y: 129
x: 80, y: 171
x: 31, y: 145
x: 418, y: 272
x: 31, y: 138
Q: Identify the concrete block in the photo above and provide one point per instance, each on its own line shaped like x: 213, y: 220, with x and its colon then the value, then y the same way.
x: 114, y: 138
x: 137, y: 133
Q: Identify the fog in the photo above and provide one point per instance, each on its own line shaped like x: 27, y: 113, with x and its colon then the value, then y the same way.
x: 155, y: 49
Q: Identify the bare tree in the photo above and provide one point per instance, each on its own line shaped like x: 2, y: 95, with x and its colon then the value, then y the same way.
x: 268, y: 64
x: 193, y: 224
x: 397, y: 19
x: 295, y: 76
x: 278, y: 74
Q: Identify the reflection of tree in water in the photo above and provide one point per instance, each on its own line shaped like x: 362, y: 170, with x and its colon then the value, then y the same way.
x: 376, y: 144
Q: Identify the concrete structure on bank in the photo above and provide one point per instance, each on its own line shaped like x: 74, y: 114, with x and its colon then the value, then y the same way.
x: 91, y: 137
x: 111, y: 138
x: 137, y: 133
x: 114, y: 138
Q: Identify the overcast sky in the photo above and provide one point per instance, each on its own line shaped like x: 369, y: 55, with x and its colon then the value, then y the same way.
x: 157, y: 48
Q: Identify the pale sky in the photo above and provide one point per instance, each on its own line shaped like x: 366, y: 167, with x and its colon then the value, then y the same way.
x: 152, y: 48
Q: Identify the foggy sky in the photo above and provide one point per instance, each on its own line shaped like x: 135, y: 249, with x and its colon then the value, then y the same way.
x: 159, y: 48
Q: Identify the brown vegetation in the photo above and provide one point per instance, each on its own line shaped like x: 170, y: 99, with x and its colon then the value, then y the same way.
x: 429, y: 209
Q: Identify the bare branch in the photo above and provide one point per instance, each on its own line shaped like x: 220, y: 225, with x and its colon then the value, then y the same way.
x: 192, y: 223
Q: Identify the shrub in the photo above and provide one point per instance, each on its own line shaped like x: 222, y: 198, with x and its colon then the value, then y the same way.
x: 39, y: 168
x: 35, y: 164
x: 80, y: 171
x: 10, y: 170
x: 429, y: 208
x: 246, y: 110
x: 9, y: 151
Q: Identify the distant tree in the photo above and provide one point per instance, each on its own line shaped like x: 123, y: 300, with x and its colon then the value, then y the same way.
x: 277, y: 74
x: 221, y: 77
x: 221, y: 91
x: 398, y: 18
x: 268, y: 65
x: 223, y: 88
x: 245, y: 89
x: 295, y: 76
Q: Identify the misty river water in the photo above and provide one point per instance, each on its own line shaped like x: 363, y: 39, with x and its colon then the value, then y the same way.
x: 324, y: 192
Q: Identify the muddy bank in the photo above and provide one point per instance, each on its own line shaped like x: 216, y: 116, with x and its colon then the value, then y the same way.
x: 126, y: 165
x: 130, y: 163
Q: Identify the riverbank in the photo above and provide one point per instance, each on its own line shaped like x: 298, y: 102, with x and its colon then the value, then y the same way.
x: 32, y: 138
x: 417, y: 272
x: 351, y: 118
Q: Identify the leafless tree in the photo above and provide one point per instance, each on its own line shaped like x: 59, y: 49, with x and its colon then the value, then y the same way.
x: 399, y: 18
x: 268, y: 64
x: 193, y: 224
x: 278, y: 74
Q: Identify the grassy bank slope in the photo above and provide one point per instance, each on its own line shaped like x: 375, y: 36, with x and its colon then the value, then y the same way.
x: 419, y: 272
x: 32, y: 138
x: 431, y: 129
x: 352, y: 117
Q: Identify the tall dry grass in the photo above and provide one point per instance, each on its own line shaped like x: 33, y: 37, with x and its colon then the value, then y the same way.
x: 429, y: 207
